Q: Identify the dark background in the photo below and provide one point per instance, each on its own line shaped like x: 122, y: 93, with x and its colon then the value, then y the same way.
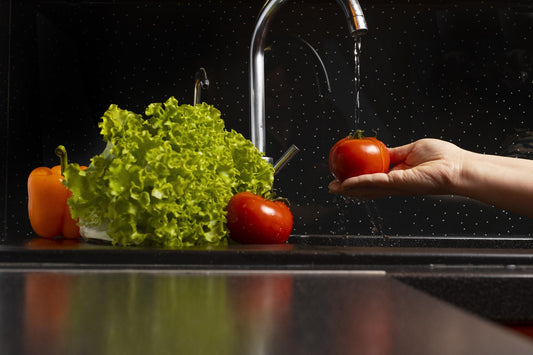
x: 456, y: 70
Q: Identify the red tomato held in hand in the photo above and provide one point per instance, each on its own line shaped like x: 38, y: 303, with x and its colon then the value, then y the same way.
x: 253, y: 219
x: 357, y: 155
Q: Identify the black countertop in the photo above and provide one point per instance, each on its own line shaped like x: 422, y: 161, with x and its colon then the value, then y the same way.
x: 492, y: 277
x: 125, y: 311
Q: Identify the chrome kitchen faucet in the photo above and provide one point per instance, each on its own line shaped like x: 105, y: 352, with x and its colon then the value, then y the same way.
x: 356, y: 26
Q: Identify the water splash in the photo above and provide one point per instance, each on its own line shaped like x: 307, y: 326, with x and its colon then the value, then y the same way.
x: 350, y: 211
x: 376, y: 220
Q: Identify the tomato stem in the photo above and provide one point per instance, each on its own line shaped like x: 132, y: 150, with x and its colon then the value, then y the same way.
x: 358, y: 134
x: 61, y: 152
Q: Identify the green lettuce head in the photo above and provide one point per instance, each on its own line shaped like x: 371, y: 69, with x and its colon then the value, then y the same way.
x: 165, y: 180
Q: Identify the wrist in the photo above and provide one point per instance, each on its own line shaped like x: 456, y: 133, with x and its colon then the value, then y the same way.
x: 466, y: 173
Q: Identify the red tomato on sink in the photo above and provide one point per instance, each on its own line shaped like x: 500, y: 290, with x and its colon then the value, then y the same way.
x: 253, y: 219
x: 357, y: 155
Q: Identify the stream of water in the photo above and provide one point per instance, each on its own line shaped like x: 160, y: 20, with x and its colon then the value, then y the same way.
x: 357, y: 80
x: 376, y: 220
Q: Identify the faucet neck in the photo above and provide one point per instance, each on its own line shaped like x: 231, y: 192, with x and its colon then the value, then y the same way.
x: 356, y: 27
x: 257, y: 74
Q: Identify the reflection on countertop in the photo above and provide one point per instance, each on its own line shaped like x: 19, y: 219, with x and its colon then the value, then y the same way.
x: 235, y: 312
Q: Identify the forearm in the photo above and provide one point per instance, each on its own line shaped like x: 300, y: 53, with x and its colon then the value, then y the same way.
x: 500, y: 181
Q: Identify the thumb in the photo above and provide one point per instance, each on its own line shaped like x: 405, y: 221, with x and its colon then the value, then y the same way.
x: 399, y: 154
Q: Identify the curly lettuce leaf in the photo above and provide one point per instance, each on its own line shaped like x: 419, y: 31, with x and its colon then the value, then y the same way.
x: 165, y: 180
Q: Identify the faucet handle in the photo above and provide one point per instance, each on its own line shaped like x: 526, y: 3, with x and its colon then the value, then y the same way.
x: 285, y: 158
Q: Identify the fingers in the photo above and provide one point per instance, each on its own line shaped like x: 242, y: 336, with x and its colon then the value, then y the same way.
x: 369, y: 186
x: 335, y: 187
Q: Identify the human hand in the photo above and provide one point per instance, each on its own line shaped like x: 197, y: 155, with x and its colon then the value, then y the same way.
x: 424, y: 167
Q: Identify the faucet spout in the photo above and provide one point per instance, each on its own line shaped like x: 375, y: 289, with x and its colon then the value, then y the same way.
x: 356, y: 27
x: 355, y: 16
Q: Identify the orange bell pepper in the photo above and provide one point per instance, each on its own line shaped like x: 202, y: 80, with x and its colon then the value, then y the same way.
x: 47, y: 201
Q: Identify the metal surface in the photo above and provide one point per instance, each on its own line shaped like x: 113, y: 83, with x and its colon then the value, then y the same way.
x: 285, y: 158
x: 201, y: 82
x: 206, y: 312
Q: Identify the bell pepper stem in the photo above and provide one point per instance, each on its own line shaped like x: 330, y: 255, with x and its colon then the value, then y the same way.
x: 61, y: 152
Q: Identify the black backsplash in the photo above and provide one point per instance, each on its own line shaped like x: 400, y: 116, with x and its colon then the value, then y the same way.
x: 456, y: 70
